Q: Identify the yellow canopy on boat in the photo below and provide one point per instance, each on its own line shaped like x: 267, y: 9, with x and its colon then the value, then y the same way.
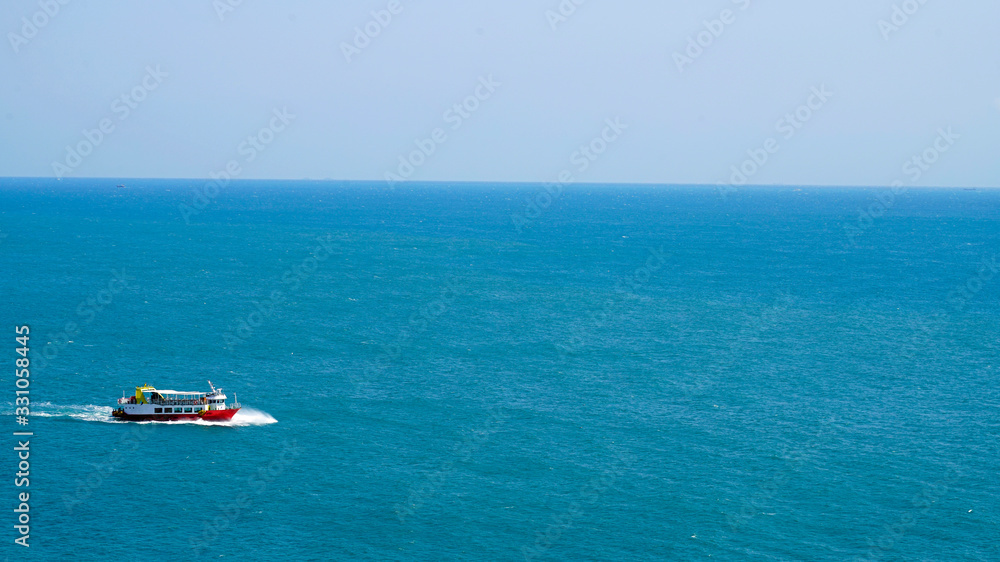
x: 140, y: 398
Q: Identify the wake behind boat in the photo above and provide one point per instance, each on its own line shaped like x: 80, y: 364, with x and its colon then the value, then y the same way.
x: 150, y: 404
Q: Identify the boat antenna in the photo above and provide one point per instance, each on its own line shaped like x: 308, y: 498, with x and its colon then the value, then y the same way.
x: 210, y: 386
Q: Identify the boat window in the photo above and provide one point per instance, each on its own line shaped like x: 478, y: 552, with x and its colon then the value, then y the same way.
x: 187, y: 409
x: 157, y: 410
x: 168, y: 410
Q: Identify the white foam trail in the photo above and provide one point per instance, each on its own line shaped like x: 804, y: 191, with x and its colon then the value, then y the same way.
x: 247, y: 416
x: 89, y: 412
x: 94, y: 413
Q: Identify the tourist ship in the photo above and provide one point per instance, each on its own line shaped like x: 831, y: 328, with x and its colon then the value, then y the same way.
x: 150, y: 404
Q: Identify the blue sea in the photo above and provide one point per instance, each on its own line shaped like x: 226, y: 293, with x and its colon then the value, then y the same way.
x: 435, y: 371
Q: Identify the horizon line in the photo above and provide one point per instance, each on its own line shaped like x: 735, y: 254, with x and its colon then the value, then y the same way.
x: 495, y: 182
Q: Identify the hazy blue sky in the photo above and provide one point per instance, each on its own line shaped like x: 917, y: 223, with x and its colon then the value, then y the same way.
x: 215, y: 77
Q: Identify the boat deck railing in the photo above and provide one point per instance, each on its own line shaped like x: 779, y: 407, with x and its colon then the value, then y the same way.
x: 176, y: 402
